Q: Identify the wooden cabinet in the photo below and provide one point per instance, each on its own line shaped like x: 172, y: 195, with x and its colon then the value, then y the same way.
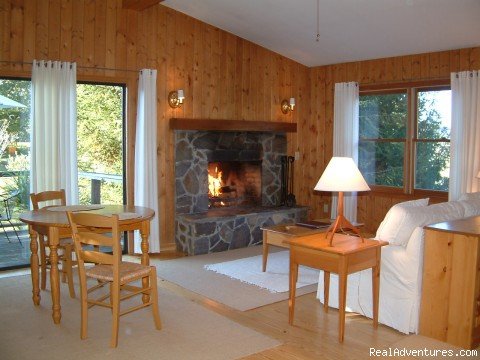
x: 450, y: 306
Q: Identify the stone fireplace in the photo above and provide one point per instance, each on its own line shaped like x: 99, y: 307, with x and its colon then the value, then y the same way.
x: 228, y: 186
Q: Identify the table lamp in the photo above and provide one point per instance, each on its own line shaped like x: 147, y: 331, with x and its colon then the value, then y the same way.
x: 341, y: 174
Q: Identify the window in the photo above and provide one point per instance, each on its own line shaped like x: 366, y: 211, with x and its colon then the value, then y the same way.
x: 383, y: 131
x: 404, y: 138
x: 432, y: 141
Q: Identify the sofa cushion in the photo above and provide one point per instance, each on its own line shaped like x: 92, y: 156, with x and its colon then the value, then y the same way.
x: 408, y: 218
x: 472, y: 207
x: 436, y: 213
x: 470, y: 196
x: 445, y: 211
x: 392, y: 225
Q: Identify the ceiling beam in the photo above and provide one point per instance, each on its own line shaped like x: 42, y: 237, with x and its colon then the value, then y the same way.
x: 139, y: 5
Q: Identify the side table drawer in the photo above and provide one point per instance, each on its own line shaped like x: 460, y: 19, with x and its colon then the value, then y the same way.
x: 274, y: 238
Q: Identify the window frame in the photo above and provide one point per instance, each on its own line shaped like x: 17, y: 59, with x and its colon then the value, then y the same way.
x: 411, y: 89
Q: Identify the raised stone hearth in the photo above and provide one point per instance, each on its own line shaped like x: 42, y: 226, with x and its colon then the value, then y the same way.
x: 223, y: 229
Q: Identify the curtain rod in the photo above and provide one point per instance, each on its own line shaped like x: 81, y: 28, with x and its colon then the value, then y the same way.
x: 78, y: 67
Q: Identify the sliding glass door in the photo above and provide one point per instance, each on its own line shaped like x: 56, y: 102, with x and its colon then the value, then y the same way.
x: 14, y: 170
x: 100, y: 146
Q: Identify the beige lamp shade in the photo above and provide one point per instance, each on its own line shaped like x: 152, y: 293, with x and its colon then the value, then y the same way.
x: 342, y: 174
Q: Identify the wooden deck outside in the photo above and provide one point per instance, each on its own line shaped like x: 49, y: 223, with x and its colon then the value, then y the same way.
x: 13, y: 253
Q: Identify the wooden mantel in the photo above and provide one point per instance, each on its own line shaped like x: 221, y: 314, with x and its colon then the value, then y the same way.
x: 231, y: 125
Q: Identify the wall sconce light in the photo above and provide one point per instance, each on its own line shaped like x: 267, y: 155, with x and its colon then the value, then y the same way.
x: 175, y: 98
x: 288, y: 105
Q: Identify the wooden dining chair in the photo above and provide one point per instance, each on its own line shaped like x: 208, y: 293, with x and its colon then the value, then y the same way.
x: 89, y: 234
x: 54, y: 197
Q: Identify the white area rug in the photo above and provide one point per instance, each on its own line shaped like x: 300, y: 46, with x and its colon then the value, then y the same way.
x: 189, y: 331
x: 189, y: 272
x: 274, y: 279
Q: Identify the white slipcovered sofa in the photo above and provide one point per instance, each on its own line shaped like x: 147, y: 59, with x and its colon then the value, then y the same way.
x: 402, y: 262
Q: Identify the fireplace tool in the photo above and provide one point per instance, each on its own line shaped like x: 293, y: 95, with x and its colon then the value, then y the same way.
x: 287, y: 197
x: 283, y: 177
x: 290, y: 200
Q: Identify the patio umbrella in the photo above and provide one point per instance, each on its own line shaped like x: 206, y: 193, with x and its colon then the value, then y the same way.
x: 9, y: 103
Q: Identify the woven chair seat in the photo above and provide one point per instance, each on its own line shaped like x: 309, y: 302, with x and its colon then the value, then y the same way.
x: 128, y: 271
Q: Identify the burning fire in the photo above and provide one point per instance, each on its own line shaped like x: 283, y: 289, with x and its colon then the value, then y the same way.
x: 215, y: 183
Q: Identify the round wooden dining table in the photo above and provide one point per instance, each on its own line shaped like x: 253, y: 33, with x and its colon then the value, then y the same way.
x: 52, y: 222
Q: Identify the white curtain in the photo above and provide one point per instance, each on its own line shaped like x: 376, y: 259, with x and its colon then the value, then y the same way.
x: 465, y: 134
x: 146, y: 193
x: 345, y: 137
x: 54, y: 128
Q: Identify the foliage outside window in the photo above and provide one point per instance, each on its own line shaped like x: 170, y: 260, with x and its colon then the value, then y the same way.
x: 405, y: 146
x: 99, y: 133
x: 15, y: 143
x: 100, y: 140
x: 432, y: 143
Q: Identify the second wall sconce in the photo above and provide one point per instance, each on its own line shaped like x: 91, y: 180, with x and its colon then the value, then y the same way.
x: 288, y: 105
x: 175, y: 98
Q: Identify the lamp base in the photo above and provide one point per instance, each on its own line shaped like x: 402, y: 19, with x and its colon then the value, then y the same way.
x: 340, y: 223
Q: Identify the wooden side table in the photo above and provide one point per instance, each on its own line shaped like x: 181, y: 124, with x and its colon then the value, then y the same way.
x: 347, y: 255
x: 278, y: 235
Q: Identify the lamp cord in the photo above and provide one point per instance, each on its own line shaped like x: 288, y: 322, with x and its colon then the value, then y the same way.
x: 318, y: 21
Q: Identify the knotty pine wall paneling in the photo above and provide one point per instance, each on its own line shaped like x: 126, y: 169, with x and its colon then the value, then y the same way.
x: 317, y: 150
x: 224, y: 76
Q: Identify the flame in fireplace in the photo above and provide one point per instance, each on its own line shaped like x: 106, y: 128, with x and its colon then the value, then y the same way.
x: 214, y: 183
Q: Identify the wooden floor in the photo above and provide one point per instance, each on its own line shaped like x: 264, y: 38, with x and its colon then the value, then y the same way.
x: 314, y: 334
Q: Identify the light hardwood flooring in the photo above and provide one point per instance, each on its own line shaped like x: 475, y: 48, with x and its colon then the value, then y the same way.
x: 314, y: 334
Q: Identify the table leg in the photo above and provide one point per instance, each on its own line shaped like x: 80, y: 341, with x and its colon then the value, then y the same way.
x: 144, y: 233
x: 326, y: 290
x: 53, y: 240
x: 265, y: 251
x: 376, y: 288
x: 55, y: 284
x: 342, y: 298
x: 34, y: 265
x: 292, y: 287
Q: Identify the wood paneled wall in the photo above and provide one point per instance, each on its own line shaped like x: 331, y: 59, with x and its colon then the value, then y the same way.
x: 224, y: 77
x: 317, y: 132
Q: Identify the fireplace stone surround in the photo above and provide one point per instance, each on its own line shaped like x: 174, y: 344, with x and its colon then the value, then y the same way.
x: 200, y: 230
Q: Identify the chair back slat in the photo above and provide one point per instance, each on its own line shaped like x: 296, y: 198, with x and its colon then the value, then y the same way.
x: 92, y: 238
x: 51, y: 197
x: 89, y: 229
x: 91, y: 220
x: 94, y: 256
